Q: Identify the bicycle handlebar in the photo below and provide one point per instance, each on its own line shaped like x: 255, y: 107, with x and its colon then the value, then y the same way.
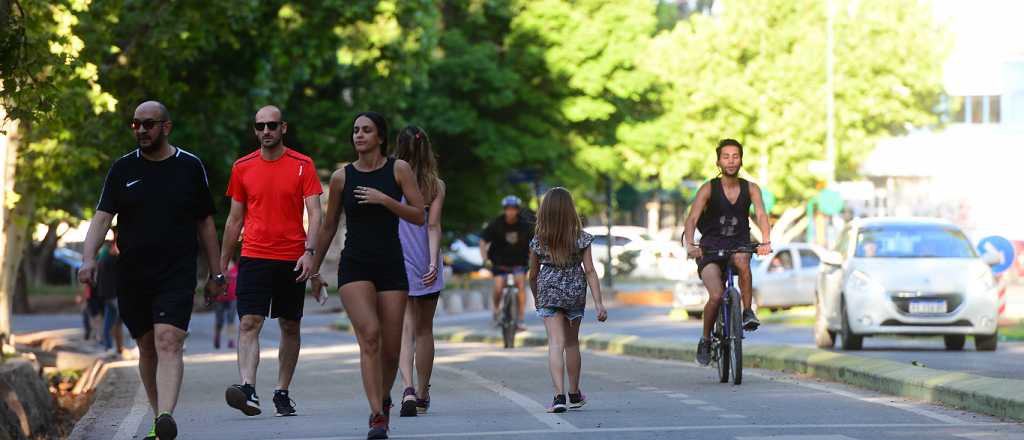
x: 748, y: 248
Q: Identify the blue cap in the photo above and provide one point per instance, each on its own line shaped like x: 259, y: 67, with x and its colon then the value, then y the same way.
x: 511, y: 201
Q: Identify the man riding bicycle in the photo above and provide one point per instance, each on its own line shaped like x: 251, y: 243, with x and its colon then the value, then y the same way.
x: 721, y: 213
x: 505, y: 242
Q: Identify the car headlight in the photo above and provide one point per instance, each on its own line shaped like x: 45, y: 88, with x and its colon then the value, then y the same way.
x: 861, y: 282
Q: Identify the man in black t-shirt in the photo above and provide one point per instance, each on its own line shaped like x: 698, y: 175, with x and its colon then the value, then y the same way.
x: 161, y: 196
x: 505, y: 242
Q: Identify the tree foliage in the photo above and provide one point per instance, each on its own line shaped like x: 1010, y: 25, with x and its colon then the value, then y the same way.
x: 568, y: 90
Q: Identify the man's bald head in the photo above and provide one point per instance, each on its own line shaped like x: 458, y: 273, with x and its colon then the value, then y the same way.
x: 154, y: 106
x: 270, y: 126
x: 152, y: 125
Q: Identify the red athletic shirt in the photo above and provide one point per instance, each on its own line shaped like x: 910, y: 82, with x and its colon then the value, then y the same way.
x: 273, y: 194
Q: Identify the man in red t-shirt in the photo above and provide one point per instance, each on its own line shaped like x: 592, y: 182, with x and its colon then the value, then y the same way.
x: 268, y: 189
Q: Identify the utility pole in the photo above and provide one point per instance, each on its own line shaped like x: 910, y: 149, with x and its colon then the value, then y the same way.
x: 830, y: 130
x: 608, y: 273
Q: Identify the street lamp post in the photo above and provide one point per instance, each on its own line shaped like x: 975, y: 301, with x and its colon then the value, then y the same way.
x: 830, y: 106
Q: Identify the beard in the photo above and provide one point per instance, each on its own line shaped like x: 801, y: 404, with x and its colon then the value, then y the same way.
x: 156, y: 141
x: 725, y: 172
x: 270, y: 143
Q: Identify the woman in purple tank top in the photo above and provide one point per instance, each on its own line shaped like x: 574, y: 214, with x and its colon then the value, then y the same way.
x: 421, y: 246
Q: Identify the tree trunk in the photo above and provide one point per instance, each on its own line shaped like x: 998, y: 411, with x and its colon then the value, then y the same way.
x: 8, y: 234
x: 39, y: 256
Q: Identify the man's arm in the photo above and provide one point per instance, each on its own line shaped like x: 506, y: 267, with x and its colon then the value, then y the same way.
x: 98, y: 228
x: 762, y: 219
x: 232, y: 228
x: 315, y: 214
x: 699, y: 203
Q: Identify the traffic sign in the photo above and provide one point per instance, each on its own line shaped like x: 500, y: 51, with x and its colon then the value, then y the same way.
x: 999, y: 246
x: 830, y: 202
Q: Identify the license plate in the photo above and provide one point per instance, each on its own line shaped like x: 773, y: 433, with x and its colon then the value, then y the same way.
x: 925, y: 307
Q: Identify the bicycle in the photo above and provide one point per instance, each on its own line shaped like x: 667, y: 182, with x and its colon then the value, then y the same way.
x: 727, y: 335
x: 508, y: 312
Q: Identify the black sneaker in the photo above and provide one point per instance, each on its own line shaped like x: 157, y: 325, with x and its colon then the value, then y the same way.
x: 378, y: 427
x: 577, y: 400
x: 703, y: 352
x: 750, y: 321
x: 408, y: 403
x: 558, y: 405
x: 244, y: 399
x: 284, y: 404
x: 166, y: 429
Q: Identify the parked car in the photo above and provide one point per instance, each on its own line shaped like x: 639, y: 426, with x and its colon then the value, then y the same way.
x: 781, y: 279
x: 908, y: 277
x: 64, y: 269
x: 464, y: 254
x: 786, y: 277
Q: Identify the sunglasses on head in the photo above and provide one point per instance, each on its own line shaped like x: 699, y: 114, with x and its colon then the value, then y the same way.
x: 259, y: 126
x: 148, y: 124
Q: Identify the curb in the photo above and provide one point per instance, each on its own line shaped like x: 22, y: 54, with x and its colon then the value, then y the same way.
x: 997, y: 397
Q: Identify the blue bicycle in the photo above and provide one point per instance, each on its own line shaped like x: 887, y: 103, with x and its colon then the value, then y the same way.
x: 727, y: 337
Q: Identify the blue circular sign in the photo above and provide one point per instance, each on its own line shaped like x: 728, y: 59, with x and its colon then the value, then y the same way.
x: 1001, y: 251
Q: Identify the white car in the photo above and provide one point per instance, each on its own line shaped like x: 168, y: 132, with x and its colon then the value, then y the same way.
x: 781, y: 279
x: 905, y: 276
x: 655, y: 258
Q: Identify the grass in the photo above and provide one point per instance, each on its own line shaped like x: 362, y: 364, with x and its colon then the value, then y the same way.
x: 1013, y: 332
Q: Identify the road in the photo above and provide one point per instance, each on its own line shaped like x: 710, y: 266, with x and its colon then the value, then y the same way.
x: 655, y: 322
x: 481, y: 391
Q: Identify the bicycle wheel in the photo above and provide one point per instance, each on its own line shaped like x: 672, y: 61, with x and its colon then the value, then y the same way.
x: 509, y: 305
x: 736, y: 334
x: 722, y: 351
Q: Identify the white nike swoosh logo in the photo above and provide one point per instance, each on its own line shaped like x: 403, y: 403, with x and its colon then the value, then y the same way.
x: 129, y: 185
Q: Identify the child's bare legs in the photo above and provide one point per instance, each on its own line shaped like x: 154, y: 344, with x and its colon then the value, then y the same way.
x: 573, y: 360
x: 556, y: 328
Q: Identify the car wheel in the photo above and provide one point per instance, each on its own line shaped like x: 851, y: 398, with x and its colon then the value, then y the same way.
x: 986, y: 342
x: 823, y: 337
x: 851, y: 341
x: 955, y: 342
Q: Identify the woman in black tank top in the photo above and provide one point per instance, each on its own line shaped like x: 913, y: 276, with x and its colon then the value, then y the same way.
x: 371, y: 276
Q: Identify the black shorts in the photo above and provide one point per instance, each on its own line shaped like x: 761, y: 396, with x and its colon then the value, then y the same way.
x: 385, y: 277
x: 268, y: 287
x: 143, y: 303
x: 713, y: 257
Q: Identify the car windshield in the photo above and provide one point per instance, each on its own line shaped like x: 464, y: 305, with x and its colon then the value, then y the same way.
x: 913, y: 241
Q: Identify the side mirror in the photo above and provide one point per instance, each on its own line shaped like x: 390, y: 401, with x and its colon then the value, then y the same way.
x: 832, y: 258
x: 992, y: 258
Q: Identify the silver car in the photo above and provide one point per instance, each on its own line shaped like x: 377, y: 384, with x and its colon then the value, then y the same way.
x: 782, y: 279
x: 908, y: 277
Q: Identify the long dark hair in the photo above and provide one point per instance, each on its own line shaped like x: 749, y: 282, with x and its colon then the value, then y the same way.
x: 413, y: 146
x: 382, y: 130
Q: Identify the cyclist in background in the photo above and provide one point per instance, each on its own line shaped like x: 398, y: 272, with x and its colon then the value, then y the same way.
x: 505, y: 242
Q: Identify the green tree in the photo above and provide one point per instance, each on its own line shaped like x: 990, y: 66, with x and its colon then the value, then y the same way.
x: 757, y: 73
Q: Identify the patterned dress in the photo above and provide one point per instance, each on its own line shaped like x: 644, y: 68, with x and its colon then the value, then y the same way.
x: 562, y: 287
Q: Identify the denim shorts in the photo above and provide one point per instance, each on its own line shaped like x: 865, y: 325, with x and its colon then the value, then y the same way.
x: 547, y: 312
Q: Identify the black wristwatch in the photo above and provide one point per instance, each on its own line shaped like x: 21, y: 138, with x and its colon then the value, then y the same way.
x: 311, y: 251
x: 219, y: 279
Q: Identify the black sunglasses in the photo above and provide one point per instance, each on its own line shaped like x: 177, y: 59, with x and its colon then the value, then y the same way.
x: 259, y: 126
x: 148, y: 124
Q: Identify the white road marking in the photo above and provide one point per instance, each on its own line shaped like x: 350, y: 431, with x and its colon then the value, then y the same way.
x: 710, y: 408
x: 695, y: 402
x: 732, y: 416
x: 647, y: 388
x: 130, y: 424
x: 679, y: 396
x: 532, y: 407
x: 664, y: 429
